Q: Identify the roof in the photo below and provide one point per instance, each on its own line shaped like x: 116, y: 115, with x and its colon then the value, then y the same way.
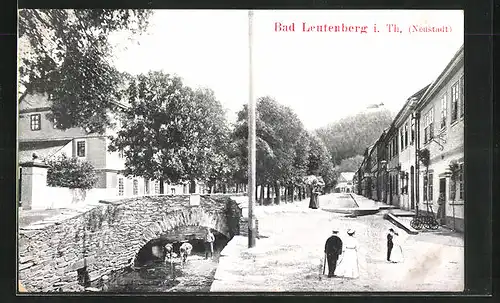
x: 346, y: 176
x: 43, y: 149
x: 457, y: 58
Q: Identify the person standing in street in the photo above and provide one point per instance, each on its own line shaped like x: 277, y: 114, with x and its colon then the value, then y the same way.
x: 333, y: 248
x: 349, y: 267
x: 390, y: 244
x: 209, y: 243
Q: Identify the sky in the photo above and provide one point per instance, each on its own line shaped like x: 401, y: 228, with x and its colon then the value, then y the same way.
x: 322, y: 76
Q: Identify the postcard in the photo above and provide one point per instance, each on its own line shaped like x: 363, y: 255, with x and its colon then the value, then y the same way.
x: 222, y: 151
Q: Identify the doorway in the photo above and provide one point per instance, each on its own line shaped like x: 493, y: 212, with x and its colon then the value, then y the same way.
x: 390, y: 189
x: 442, y: 205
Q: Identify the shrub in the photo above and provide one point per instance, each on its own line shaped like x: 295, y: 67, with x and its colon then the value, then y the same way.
x: 71, y: 172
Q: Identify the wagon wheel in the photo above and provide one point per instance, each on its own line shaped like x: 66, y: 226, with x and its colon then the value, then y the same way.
x: 416, y: 223
x: 434, y: 224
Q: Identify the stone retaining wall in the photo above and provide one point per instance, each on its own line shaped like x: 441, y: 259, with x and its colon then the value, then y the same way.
x: 108, y: 237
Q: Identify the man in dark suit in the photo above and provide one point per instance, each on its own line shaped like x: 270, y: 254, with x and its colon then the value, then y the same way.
x: 390, y: 244
x: 333, y: 248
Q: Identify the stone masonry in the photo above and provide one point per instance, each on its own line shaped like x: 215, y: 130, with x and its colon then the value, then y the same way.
x: 108, y: 237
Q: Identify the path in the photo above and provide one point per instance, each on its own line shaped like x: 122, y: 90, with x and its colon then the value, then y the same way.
x: 289, y: 258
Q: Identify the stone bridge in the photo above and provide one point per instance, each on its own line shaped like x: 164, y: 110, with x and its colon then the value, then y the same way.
x: 108, y: 237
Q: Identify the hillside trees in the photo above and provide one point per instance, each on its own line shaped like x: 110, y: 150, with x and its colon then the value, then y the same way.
x: 65, y: 53
x: 350, y: 136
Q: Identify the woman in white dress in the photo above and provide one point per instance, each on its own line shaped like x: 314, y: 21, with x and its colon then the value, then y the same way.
x: 397, y: 252
x: 348, y: 266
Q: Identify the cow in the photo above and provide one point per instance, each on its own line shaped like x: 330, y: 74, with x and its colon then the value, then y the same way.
x: 168, y: 250
x: 185, y: 251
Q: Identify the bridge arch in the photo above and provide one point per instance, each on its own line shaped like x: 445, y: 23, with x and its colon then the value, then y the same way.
x: 109, y: 236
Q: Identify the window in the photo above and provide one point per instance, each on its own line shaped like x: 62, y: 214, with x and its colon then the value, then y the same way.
x: 412, y: 131
x: 121, y: 188
x: 390, y: 151
x: 406, y: 135
x: 80, y: 148
x: 444, y: 109
x: 401, y: 136
x: 462, y: 96
x: 454, y: 101
x: 431, y: 188
x: 172, y: 190
x: 35, y: 121
x: 429, y: 125
x: 461, y: 182
x: 146, y: 186
x: 157, y: 187
x: 135, y: 187
x: 406, y: 183
x: 425, y: 188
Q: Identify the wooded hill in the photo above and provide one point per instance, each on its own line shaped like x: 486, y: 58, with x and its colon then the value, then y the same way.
x: 347, y: 139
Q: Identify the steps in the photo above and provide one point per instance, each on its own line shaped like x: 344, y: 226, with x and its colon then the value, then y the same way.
x: 394, y: 220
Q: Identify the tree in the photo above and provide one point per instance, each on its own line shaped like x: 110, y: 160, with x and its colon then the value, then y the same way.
x: 65, y: 53
x: 320, y: 162
x: 172, y: 133
x: 71, y: 172
x: 350, y: 164
x: 282, y: 147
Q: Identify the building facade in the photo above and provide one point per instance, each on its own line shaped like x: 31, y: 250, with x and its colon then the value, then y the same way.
x: 345, y: 183
x: 421, y: 155
x: 39, y: 135
x: 441, y: 134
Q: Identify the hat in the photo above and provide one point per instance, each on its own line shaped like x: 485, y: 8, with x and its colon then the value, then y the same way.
x: 350, y: 231
x: 335, y: 230
x: 390, y: 229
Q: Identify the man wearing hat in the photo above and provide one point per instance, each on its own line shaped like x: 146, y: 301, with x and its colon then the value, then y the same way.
x: 333, y: 248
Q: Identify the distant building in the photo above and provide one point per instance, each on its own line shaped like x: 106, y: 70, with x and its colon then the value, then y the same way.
x: 345, y: 183
x: 39, y: 135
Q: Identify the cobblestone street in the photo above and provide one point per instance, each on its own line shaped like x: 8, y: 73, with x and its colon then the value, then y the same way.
x: 289, y: 257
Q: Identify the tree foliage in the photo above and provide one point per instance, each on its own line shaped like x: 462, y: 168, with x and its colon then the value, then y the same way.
x: 66, y: 53
x: 282, y: 146
x: 171, y: 132
x: 71, y: 172
x: 351, y: 164
x: 350, y: 136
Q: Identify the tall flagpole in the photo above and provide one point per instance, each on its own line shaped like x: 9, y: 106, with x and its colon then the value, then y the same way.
x: 251, y: 140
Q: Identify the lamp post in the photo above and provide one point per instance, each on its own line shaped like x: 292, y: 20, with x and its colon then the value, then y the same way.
x: 251, y: 140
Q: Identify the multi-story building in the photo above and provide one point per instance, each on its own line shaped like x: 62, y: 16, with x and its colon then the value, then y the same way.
x: 430, y: 122
x: 404, y: 123
x: 382, y: 178
x: 441, y: 133
x: 38, y: 134
x: 392, y: 166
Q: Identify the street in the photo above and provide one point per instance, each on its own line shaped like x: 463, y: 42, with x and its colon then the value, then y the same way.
x: 289, y: 255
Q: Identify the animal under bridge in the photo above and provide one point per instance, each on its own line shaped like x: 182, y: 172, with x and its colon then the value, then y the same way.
x: 109, y: 237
